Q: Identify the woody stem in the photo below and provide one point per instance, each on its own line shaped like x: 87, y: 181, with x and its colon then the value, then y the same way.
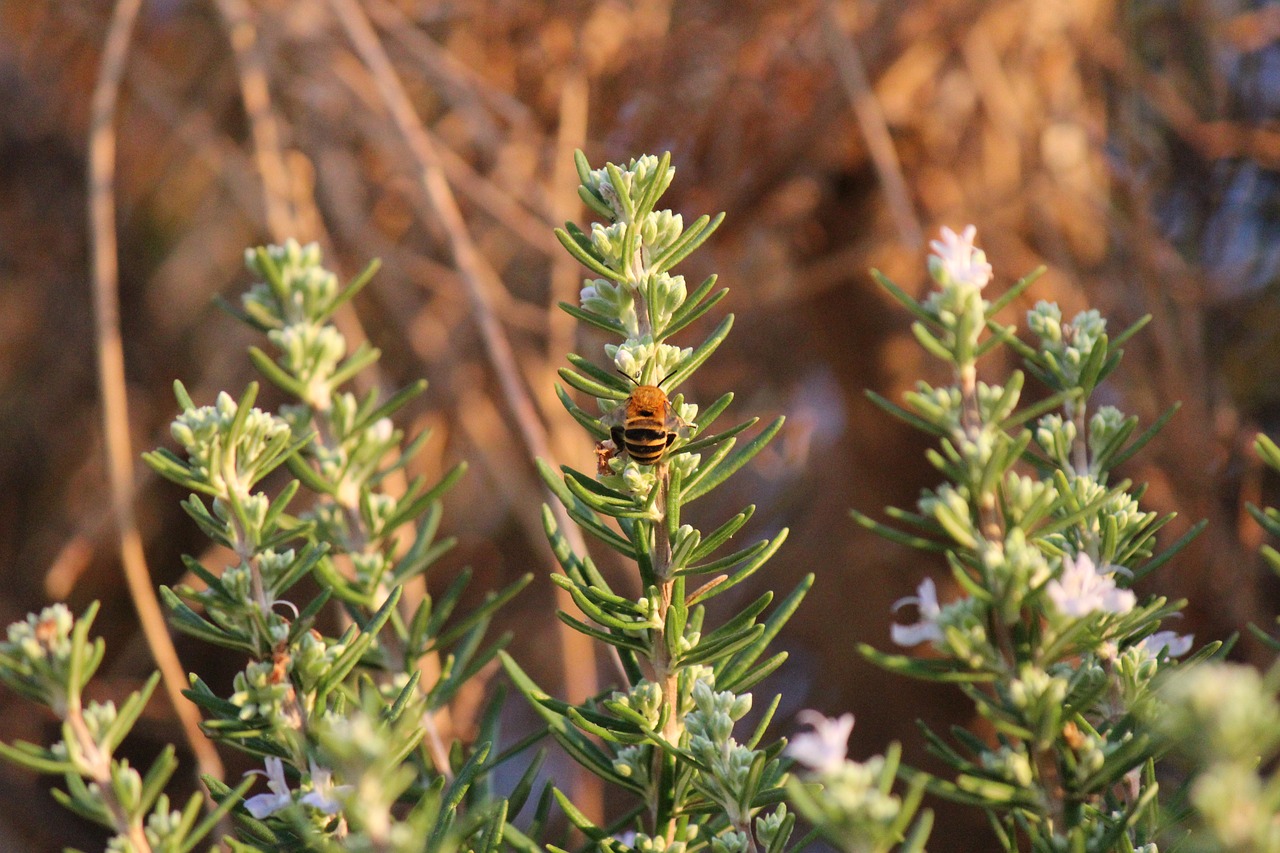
x: 664, y: 670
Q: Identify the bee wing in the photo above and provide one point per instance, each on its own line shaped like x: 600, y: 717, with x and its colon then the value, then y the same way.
x: 616, y: 416
x: 675, y: 423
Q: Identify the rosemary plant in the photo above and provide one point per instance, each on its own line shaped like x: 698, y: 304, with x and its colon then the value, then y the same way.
x: 1222, y: 723
x: 1044, y: 633
x: 357, y: 713
x: 49, y: 658
x: 1070, y: 668
x: 667, y: 734
x: 347, y: 726
x: 851, y: 803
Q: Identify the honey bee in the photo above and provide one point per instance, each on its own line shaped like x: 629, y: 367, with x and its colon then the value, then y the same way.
x: 646, y: 424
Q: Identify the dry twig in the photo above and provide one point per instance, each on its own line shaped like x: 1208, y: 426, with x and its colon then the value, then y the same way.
x: 237, y: 19
x: 844, y: 52
x: 481, y: 281
x: 102, y: 228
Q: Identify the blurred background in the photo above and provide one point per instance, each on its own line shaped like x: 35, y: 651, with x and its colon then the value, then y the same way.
x: 1133, y: 148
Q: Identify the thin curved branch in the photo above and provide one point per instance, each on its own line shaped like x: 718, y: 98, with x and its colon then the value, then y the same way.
x: 480, y: 281
x: 106, y: 300
x: 875, y: 132
x: 241, y: 31
x: 571, y: 135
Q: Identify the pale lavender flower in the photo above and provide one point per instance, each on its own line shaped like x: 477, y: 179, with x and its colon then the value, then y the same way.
x: 1172, y: 642
x: 957, y: 261
x: 926, y: 602
x: 824, y: 749
x: 262, y: 805
x: 322, y: 793
x: 1081, y: 589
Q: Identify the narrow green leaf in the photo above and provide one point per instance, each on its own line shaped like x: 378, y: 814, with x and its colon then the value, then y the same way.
x: 1148, y: 434
x: 706, y: 652
x: 356, y: 285
x: 584, y: 257
x: 656, y: 184
x: 393, y: 404
x: 586, y: 421
x: 906, y: 301
x: 591, y: 318
x: 694, y: 236
x: 724, y: 563
x: 1138, y: 325
x: 589, y: 386
x: 712, y: 440
x: 699, y: 355
x: 741, y: 457
x: 624, y: 198
x: 721, y: 535
x: 1156, y: 562
x: 925, y: 669
x: 931, y: 344
x: 899, y: 536
x: 613, y: 638
x: 743, y: 669
x: 687, y: 318
x: 905, y: 415
x: 493, y: 601
x: 34, y: 757
x: 596, y: 489
x: 680, y: 317
x: 276, y: 374
x: 578, y: 745
x: 1015, y: 290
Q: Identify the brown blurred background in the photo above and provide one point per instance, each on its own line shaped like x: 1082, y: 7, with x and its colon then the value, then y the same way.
x: 1132, y: 147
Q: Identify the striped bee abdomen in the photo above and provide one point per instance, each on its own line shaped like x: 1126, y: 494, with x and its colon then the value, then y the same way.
x: 644, y: 439
x: 645, y: 425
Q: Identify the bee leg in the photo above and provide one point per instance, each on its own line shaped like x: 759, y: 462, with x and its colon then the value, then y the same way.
x: 616, y: 433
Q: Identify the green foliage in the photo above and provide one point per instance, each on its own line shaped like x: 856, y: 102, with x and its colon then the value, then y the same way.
x: 346, y: 725
x: 667, y: 735
x: 1058, y: 655
x: 49, y: 659
x: 1221, y: 722
x: 305, y: 700
x: 1042, y: 630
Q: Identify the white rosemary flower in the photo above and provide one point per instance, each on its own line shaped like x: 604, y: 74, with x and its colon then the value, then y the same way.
x: 955, y: 260
x: 927, y: 629
x: 1082, y: 589
x: 824, y: 749
x: 280, y: 797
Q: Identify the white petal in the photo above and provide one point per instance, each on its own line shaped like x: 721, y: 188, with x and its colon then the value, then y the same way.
x: 823, y: 749
x: 914, y: 635
x: 263, y: 805
x: 321, y: 803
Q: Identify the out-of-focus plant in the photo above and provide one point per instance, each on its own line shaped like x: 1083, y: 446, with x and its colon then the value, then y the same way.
x: 851, y: 803
x: 667, y: 735
x: 1222, y: 722
x: 345, y: 725
x: 49, y: 658
x: 1044, y: 633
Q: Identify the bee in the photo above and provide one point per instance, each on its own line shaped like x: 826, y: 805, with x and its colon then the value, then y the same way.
x: 646, y: 424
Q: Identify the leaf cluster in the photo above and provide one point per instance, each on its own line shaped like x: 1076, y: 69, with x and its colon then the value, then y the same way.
x: 677, y: 668
x: 1046, y: 639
